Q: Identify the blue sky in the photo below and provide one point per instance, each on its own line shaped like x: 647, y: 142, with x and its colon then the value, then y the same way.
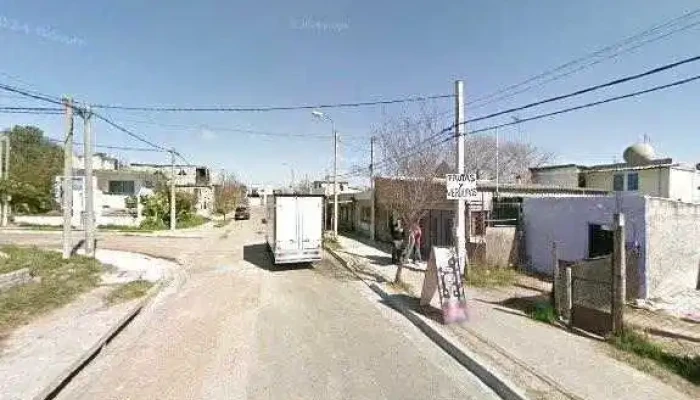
x: 262, y: 53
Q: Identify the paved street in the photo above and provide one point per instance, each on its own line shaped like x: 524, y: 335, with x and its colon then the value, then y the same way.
x: 235, y: 327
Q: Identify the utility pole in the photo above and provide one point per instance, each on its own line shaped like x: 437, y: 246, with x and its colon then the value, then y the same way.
x: 497, y: 165
x: 173, y: 210
x: 618, y: 274
x: 68, y: 179
x: 460, y: 241
x: 89, y: 190
x: 371, y: 181
x: 4, y: 202
x: 335, y: 182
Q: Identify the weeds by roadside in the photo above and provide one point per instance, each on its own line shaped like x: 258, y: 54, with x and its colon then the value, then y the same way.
x: 639, y: 344
x: 480, y: 276
x: 331, y: 243
x: 543, y: 312
x: 128, y: 291
x: 57, y: 282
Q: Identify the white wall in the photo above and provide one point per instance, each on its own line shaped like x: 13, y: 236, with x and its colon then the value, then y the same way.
x: 673, y: 247
x: 683, y: 185
x: 566, y: 219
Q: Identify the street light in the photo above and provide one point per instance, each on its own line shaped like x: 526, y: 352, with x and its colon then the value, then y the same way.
x: 322, y: 115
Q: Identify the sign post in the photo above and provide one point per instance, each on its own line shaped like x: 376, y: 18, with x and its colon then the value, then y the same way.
x: 445, y: 267
x: 443, y: 276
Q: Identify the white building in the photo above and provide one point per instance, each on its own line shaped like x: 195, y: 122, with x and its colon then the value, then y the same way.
x: 640, y: 174
x: 196, y: 180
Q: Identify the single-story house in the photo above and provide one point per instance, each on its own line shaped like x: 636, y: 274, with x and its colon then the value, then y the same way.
x: 664, y: 235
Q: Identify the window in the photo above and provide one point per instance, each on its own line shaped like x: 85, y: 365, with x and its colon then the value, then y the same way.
x: 121, y: 187
x: 618, y: 182
x: 600, y: 241
x: 633, y: 181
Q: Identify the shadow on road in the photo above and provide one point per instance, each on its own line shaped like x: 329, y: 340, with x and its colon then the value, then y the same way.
x: 259, y: 255
x: 412, y: 303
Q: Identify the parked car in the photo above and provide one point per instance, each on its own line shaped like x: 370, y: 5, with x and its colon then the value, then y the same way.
x: 241, y: 213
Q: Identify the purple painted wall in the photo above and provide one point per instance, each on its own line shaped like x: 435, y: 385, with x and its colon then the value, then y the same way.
x: 565, y: 220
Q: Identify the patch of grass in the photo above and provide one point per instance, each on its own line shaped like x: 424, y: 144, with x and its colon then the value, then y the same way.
x: 331, y: 243
x: 122, y: 228
x: 191, y: 222
x: 60, y: 282
x: 480, y: 276
x: 633, y: 342
x: 543, y: 312
x: 129, y: 291
x: 36, y: 227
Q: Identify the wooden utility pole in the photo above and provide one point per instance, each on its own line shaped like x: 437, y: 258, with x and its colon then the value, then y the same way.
x: 371, y: 180
x: 89, y: 190
x: 68, y: 179
x: 618, y: 275
x: 173, y: 209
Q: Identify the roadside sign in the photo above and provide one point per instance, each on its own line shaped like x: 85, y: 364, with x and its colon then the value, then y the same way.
x: 444, y: 276
x: 461, y: 186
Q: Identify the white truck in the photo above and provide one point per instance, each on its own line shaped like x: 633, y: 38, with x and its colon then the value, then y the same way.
x: 295, y: 228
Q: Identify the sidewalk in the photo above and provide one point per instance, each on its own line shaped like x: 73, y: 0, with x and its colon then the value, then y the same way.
x: 36, y: 358
x: 547, y: 362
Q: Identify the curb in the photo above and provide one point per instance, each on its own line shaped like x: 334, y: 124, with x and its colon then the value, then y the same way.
x: 54, y: 388
x: 500, y: 385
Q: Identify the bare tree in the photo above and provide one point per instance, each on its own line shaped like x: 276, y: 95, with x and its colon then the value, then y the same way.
x: 515, y: 158
x: 228, y: 194
x: 407, y: 186
x: 303, y: 186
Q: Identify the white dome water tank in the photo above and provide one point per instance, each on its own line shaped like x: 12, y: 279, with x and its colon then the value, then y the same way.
x: 639, y: 154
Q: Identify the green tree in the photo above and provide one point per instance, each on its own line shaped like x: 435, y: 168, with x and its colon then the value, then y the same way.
x: 228, y: 195
x: 156, y: 208
x: 34, y: 163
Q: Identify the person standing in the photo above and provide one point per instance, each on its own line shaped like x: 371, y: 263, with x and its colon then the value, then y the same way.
x: 397, y: 239
x: 417, y: 236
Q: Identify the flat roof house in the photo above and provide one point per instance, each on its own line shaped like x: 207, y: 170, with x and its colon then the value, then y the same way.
x: 641, y: 174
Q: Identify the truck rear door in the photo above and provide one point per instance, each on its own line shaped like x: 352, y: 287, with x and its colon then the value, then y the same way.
x: 286, y: 224
x: 310, y: 211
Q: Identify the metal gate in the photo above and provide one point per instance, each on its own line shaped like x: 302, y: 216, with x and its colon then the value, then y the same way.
x: 591, y: 296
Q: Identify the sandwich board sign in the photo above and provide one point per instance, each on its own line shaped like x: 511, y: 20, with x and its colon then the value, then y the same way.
x: 444, y: 276
x: 461, y: 186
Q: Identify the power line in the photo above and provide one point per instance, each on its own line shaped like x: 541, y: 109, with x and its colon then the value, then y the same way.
x: 275, y: 108
x: 224, y: 129
x: 128, y: 132
x: 421, y: 147
x: 591, y: 88
x: 101, y: 146
x: 592, y: 104
x: 624, y: 42
x: 30, y: 112
x: 31, y: 94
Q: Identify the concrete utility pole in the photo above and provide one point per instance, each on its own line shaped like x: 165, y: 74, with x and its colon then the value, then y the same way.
x: 68, y: 179
x: 321, y: 115
x: 618, y: 274
x: 335, y: 182
x: 5, y: 201
x: 89, y: 190
x: 371, y: 180
x: 460, y: 240
x: 173, y: 209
